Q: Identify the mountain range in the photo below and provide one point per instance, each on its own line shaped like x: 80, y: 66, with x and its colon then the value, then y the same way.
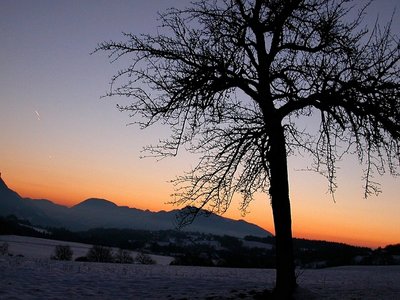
x: 95, y: 213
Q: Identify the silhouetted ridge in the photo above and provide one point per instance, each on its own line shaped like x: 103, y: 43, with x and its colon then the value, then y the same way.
x: 6, y: 193
x: 95, y: 203
x: 96, y: 213
x: 3, y: 185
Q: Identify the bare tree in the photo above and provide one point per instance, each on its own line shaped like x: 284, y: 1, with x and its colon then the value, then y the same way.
x: 144, y: 259
x: 4, y: 248
x: 99, y: 253
x: 233, y: 78
x: 62, y: 252
x: 123, y: 257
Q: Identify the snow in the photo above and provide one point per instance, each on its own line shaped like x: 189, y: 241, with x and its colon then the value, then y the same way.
x: 254, y: 244
x: 38, y: 277
x: 44, y: 248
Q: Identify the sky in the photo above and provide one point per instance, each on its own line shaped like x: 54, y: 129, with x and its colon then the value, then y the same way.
x: 60, y: 141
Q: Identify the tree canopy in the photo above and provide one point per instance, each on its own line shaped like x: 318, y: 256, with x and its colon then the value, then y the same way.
x: 232, y: 78
x: 217, y: 65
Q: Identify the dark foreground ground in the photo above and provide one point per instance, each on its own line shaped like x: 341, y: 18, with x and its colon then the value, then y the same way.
x: 38, y: 278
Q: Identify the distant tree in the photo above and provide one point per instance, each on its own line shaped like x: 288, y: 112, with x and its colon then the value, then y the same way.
x: 230, y: 242
x: 144, y: 259
x: 4, y: 248
x: 123, y: 257
x: 99, y: 254
x: 190, y: 258
x: 62, y: 252
x: 379, y: 257
x: 235, y: 80
x: 393, y: 249
x: 81, y: 258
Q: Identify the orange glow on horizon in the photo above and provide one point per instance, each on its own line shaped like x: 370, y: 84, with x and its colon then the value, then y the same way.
x: 304, y: 226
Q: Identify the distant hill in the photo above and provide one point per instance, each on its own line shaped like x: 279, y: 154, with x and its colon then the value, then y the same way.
x: 13, y: 204
x: 95, y: 213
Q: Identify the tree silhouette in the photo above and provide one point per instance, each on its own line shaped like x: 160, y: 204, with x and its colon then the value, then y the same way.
x: 144, y: 259
x: 98, y: 253
x: 234, y: 80
x: 62, y: 252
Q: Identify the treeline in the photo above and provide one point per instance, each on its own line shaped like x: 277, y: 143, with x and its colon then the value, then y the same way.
x: 198, y: 249
x: 15, y: 226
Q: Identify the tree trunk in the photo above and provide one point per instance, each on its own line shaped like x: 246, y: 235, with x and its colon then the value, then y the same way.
x: 279, y: 192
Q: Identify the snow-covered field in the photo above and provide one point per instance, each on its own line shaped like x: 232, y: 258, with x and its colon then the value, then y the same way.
x: 43, y: 248
x: 35, y: 276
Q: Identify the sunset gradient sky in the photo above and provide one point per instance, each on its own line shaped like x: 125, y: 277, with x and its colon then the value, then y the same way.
x: 60, y: 141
